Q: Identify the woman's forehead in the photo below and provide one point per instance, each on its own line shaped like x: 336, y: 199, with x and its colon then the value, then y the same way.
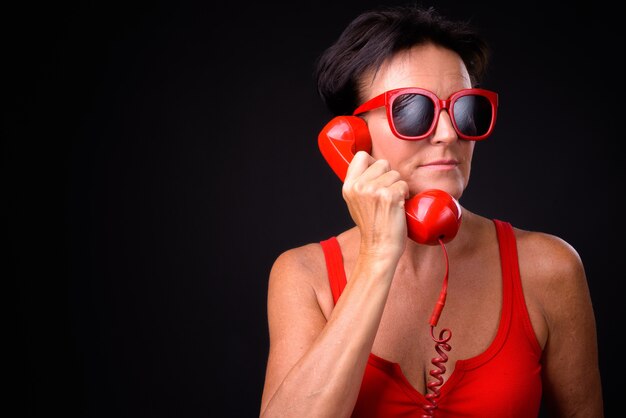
x: 427, y: 65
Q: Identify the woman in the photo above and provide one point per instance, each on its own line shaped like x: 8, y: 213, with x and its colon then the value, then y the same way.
x: 349, y: 316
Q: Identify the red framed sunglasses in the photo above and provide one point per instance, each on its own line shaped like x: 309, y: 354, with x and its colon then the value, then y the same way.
x: 413, y: 112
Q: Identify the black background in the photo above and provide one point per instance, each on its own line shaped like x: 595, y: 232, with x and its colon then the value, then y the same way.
x: 158, y: 156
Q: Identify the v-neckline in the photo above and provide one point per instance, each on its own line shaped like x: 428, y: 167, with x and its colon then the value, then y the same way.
x: 394, y: 370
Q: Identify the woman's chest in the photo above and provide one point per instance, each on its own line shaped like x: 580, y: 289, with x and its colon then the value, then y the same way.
x: 471, y: 316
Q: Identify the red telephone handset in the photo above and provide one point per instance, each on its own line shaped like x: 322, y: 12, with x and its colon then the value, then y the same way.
x: 431, y: 215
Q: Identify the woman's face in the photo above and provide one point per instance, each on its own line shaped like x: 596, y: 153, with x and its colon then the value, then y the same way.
x: 442, y: 160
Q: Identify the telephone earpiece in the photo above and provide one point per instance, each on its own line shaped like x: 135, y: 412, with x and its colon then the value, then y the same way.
x: 340, y: 139
x: 431, y: 215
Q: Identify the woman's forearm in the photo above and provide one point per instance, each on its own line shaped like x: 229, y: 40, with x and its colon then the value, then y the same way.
x: 325, y: 382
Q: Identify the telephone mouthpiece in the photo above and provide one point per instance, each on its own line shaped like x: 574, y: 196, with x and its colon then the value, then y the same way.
x: 432, y: 215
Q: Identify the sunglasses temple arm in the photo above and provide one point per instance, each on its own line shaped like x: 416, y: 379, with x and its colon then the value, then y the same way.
x: 378, y: 101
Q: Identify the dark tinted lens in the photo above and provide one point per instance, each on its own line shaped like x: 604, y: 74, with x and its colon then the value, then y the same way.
x: 472, y: 115
x: 412, y: 114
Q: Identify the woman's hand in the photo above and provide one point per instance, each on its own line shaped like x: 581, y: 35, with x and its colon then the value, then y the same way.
x: 375, y: 195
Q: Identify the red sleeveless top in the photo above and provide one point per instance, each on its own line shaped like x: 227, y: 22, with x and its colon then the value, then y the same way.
x: 502, y: 382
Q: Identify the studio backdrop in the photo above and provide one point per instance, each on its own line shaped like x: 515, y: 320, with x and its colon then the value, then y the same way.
x: 159, y: 156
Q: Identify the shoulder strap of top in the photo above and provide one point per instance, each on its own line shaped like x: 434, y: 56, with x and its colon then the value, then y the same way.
x: 510, y: 266
x: 334, y: 266
x: 510, y: 269
x: 508, y: 249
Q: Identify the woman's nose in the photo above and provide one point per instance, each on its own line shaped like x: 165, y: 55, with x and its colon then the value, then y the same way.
x: 444, y: 131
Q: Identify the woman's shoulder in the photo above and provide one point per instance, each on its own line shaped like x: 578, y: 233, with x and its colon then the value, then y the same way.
x: 303, y: 259
x: 549, y: 265
x: 310, y: 259
x: 301, y: 271
x: 546, y: 251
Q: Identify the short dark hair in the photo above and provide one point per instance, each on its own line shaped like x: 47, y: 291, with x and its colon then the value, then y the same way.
x: 376, y: 35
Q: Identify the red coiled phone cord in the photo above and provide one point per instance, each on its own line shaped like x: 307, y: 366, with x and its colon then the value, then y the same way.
x: 441, y: 346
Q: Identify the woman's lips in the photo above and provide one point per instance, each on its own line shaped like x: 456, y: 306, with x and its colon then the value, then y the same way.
x: 440, y: 165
